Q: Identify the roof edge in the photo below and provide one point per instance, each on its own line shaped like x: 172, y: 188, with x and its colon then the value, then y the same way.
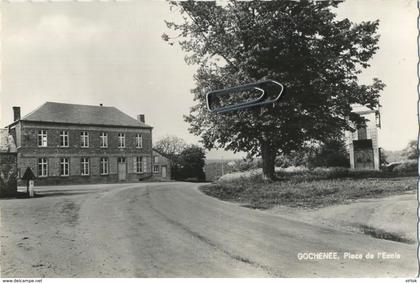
x: 145, y: 126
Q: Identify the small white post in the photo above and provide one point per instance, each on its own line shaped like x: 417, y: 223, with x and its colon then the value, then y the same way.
x: 31, y: 188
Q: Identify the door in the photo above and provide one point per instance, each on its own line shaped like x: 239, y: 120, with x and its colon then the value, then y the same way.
x: 163, y: 171
x: 363, y: 154
x: 364, y: 159
x: 122, y: 169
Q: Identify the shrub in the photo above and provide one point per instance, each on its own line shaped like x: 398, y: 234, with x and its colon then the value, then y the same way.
x: 189, y: 164
x: 330, y: 154
x: 331, y: 172
x: 246, y: 165
x: 294, y: 158
x: 409, y: 166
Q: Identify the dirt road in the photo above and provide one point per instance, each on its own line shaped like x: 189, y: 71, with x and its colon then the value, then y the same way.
x: 392, y: 217
x: 173, y: 230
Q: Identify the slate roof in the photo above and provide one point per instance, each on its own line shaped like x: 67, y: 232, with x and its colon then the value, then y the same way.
x: 82, y: 114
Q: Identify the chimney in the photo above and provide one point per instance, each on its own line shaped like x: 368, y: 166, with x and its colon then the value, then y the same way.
x: 16, y: 113
x: 140, y: 117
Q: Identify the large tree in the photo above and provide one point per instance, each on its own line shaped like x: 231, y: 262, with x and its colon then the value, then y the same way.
x: 170, y: 146
x: 191, y: 161
x: 301, y: 44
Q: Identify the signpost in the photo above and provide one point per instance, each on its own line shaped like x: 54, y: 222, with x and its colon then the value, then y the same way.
x: 244, y: 96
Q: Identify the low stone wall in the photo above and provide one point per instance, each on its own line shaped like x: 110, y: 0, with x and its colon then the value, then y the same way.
x: 8, y: 174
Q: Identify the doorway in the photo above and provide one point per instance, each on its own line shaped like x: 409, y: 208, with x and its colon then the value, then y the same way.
x: 122, y: 169
x: 363, y: 154
x: 163, y: 171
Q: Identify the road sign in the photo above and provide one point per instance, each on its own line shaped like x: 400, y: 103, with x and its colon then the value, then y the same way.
x: 29, y: 175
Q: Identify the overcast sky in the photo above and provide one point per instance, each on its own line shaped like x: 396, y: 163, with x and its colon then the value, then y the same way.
x: 112, y: 53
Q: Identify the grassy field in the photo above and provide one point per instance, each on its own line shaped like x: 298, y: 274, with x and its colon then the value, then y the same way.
x: 296, y: 192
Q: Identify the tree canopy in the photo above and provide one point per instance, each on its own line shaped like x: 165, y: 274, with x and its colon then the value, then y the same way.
x: 411, y: 151
x: 191, y: 163
x: 170, y: 146
x: 300, y: 44
x: 187, y: 160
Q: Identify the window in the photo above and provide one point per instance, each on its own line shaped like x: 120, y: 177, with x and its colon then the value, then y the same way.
x: 64, y: 138
x: 104, y: 140
x: 139, y: 141
x: 64, y: 166
x: 362, y: 133
x: 138, y: 164
x: 144, y: 164
x: 42, y: 138
x: 121, y: 140
x: 155, y: 159
x: 104, y: 166
x: 84, y: 139
x: 42, y: 167
x: 378, y: 119
x: 84, y: 166
x: 121, y: 159
x: 155, y: 168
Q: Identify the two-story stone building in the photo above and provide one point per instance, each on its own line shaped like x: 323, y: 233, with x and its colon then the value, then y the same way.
x: 69, y: 143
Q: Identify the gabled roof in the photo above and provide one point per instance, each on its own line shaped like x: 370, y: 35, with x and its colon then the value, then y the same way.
x: 82, y: 114
x: 159, y: 153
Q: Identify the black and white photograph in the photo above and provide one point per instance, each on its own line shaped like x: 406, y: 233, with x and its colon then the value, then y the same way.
x: 208, y: 139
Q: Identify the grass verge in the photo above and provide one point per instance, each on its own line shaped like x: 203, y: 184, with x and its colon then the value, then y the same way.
x: 253, y: 192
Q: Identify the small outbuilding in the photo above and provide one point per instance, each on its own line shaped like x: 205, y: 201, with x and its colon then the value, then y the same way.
x: 362, y: 144
x: 161, y: 166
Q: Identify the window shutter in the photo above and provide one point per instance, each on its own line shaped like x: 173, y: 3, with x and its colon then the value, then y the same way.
x: 144, y: 164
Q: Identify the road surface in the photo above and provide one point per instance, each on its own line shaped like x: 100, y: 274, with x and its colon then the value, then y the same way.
x: 174, y: 230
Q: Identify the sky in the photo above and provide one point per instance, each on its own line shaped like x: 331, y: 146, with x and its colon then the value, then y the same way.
x: 112, y: 53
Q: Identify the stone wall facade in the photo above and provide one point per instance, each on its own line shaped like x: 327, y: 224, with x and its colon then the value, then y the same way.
x: 29, y: 152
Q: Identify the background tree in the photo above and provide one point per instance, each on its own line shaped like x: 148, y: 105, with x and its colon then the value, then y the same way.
x: 170, y: 146
x: 332, y: 153
x: 294, y: 158
x: 411, y: 151
x: 191, y: 164
x: 298, y: 43
x: 187, y: 161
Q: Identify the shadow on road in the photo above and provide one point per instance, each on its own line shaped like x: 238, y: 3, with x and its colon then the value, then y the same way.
x: 61, y: 193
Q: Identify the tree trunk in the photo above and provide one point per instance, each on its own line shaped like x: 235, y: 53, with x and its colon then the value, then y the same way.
x: 268, y: 157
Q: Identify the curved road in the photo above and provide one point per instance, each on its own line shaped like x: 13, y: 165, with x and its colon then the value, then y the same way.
x: 174, y: 230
